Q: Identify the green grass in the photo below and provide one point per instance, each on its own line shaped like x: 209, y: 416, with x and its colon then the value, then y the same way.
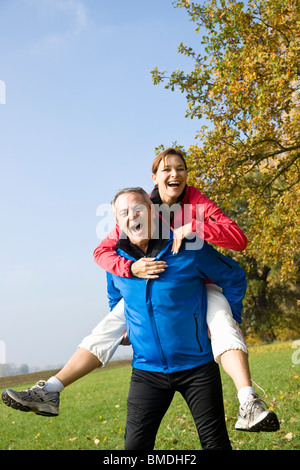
x: 93, y: 411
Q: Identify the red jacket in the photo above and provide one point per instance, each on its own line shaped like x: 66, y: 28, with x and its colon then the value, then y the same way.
x: 218, y: 229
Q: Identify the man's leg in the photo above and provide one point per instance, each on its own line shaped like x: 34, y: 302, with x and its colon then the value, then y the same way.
x: 149, y: 398
x: 202, y: 390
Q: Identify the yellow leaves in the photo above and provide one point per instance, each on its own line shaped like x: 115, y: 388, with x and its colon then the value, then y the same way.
x: 104, y: 422
x: 109, y: 425
x: 289, y: 436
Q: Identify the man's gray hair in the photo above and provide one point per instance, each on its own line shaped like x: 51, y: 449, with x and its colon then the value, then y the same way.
x: 133, y: 190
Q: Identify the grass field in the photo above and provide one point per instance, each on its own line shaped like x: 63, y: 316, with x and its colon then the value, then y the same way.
x: 93, y: 411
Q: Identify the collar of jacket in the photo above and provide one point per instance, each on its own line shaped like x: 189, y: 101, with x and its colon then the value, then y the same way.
x: 156, y: 244
x: 156, y: 199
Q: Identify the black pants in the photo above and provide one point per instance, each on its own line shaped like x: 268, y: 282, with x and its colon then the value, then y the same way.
x: 150, y: 396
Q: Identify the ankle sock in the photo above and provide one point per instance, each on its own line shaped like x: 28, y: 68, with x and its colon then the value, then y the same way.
x: 243, y: 394
x: 54, y: 385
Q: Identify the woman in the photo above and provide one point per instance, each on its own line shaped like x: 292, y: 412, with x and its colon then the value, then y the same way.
x: 189, y: 212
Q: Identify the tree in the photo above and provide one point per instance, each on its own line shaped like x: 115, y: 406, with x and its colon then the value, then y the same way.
x: 246, y: 85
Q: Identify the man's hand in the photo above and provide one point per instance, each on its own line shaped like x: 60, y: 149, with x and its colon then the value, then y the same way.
x: 178, y: 235
x: 148, y: 268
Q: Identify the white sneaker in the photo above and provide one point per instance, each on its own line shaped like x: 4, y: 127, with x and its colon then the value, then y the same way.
x: 254, y: 416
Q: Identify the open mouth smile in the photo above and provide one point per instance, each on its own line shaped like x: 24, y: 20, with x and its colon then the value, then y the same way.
x: 173, y: 184
x: 136, y: 228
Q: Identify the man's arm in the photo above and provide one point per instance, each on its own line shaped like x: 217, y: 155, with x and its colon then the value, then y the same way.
x: 226, y: 273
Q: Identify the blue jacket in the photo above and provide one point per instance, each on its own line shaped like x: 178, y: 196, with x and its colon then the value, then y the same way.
x: 166, y: 317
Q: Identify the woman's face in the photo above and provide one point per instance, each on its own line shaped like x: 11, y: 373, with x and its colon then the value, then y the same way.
x: 171, y: 177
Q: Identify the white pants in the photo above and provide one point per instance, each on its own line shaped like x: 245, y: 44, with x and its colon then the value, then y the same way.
x: 225, y: 333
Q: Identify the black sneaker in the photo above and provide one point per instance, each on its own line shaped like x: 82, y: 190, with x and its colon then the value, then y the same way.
x: 36, y: 399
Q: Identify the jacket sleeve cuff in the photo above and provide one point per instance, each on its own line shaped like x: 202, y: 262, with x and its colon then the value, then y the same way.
x: 130, y: 263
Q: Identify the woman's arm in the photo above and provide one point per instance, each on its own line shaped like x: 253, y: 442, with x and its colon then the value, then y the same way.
x: 107, y: 258
x: 217, y: 227
x: 204, y: 218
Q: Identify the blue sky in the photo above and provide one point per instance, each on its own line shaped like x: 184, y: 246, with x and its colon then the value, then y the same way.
x: 81, y: 120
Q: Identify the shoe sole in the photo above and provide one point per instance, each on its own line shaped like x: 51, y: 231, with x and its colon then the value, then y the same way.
x: 10, y: 401
x: 269, y: 423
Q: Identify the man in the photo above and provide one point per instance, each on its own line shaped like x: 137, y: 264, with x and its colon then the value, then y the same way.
x: 166, y: 325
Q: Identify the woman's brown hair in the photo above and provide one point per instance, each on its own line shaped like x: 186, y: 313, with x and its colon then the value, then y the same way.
x: 162, y: 155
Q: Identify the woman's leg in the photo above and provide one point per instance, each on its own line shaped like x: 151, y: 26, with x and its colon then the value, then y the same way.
x: 94, y: 351
x: 228, y: 344
x: 230, y: 350
x: 236, y: 365
x: 81, y: 363
x: 107, y: 335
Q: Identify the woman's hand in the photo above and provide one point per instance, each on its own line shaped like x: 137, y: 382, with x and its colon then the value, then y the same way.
x: 125, y: 340
x: 178, y: 235
x: 148, y: 268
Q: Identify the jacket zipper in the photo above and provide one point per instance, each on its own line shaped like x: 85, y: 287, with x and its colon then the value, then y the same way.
x: 163, y: 357
x: 197, y: 336
x: 156, y: 334
x: 152, y: 316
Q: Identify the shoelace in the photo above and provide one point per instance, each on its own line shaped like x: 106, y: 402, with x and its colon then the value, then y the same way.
x: 39, y: 384
x: 32, y: 391
x: 256, y: 385
x: 257, y: 401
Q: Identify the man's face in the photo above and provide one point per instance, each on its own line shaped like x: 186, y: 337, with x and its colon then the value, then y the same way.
x: 134, y: 217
